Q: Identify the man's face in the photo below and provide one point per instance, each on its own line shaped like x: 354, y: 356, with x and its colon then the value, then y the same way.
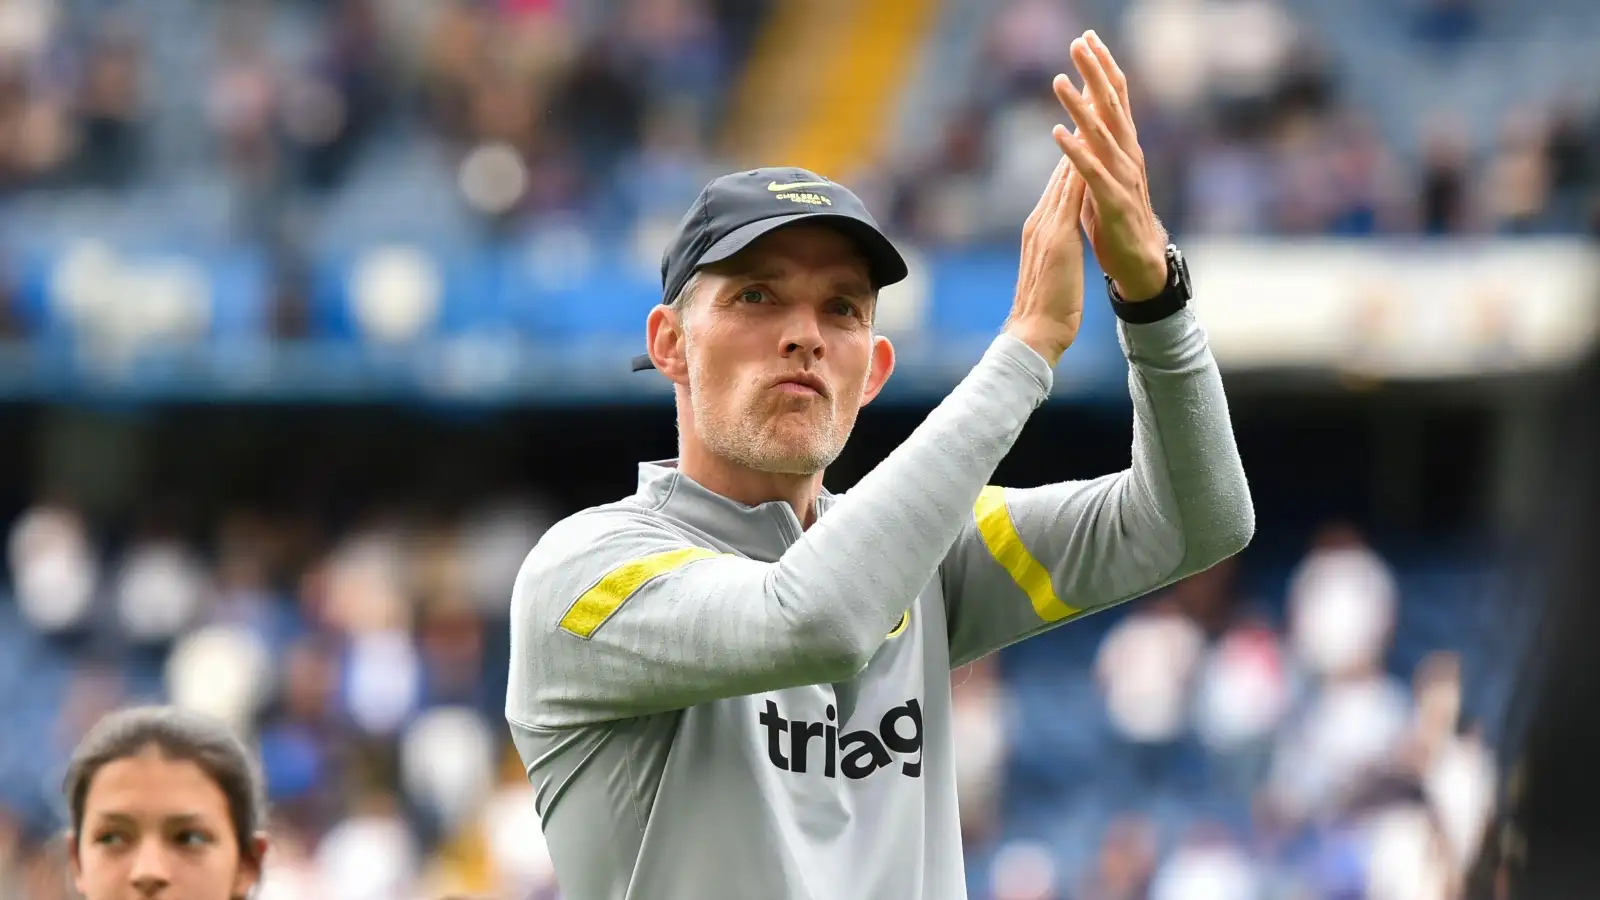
x: 779, y: 351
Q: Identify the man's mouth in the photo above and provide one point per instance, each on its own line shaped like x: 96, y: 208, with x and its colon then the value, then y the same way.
x: 803, y: 383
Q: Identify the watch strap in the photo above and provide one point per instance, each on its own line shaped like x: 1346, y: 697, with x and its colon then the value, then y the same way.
x: 1173, y: 297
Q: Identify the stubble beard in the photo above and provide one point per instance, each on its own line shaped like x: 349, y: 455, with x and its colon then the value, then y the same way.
x: 762, y: 436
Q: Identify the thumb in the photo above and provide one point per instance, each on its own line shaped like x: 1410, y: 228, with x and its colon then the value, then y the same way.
x: 1073, y: 204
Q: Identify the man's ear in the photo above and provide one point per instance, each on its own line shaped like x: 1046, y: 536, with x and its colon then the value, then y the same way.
x: 880, y: 367
x: 664, y: 340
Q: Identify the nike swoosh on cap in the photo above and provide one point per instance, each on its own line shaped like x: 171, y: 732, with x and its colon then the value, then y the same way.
x: 775, y: 187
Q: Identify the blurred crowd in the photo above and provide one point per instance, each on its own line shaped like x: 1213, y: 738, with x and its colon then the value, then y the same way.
x: 1281, y: 755
x: 540, y: 109
x: 368, y: 668
x: 610, y: 111
x: 1264, y: 761
x: 1286, y: 757
x: 533, y: 107
x: 1248, y: 129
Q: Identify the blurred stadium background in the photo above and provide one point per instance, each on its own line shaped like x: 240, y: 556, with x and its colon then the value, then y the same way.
x: 313, y: 314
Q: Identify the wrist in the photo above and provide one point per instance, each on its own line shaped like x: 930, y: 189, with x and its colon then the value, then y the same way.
x: 1147, y: 283
x: 1049, y: 340
x: 1173, y: 295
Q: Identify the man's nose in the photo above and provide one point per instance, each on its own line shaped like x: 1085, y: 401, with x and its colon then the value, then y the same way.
x: 150, y: 873
x: 802, y: 333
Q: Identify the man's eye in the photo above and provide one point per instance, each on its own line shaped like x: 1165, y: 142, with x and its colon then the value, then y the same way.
x: 846, y: 307
x: 109, y: 839
x: 192, y: 838
x: 752, y: 295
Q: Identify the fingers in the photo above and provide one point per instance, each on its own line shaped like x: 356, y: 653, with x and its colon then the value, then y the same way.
x: 1108, y: 105
x: 1098, y: 178
x: 1047, y: 198
x: 1090, y: 124
x: 1110, y: 162
x: 1119, y: 81
x: 1072, y: 207
x: 1069, y: 200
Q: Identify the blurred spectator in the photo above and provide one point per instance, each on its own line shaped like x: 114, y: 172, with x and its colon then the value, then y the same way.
x: 1444, y: 205
x: 1024, y: 870
x: 450, y: 640
x: 1460, y: 785
x: 290, y: 873
x: 111, y: 112
x: 670, y: 168
x: 35, y: 128
x: 980, y: 710
x: 517, y: 848
x: 1126, y: 864
x: 301, y: 737
x: 447, y: 761
x: 371, y: 855
x: 1168, y: 51
x: 1229, y: 187
x: 937, y: 200
x: 26, y: 27
x: 1573, y: 159
x: 1395, y: 847
x: 222, y: 671
x: 333, y: 105
x: 159, y: 588
x: 1369, y: 196
x: 1248, y: 48
x: 675, y: 48
x: 1409, y: 858
x: 1243, y: 692
x: 53, y: 569
x: 242, y: 101
x: 1341, y: 603
x: 1145, y: 669
x: 1023, y: 48
x: 493, y: 541
x: 1456, y: 770
x: 1207, y: 865
x: 1518, y: 179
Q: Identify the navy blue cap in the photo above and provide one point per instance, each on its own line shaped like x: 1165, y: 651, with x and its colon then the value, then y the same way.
x: 735, y: 210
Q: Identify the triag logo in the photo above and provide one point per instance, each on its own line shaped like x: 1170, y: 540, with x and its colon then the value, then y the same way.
x: 855, y: 755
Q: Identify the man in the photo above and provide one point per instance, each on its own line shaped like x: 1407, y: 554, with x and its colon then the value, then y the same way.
x: 733, y: 684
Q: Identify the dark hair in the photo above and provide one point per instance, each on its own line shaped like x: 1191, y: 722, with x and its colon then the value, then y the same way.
x: 179, y: 735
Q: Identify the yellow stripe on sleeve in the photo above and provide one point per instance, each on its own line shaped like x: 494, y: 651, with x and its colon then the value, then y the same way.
x: 900, y: 627
x: 614, y: 588
x: 1005, y: 545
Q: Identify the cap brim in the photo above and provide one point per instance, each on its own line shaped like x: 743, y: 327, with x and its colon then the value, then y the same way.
x: 884, y: 263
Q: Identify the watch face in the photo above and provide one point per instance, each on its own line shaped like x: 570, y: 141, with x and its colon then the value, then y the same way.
x: 1180, y: 267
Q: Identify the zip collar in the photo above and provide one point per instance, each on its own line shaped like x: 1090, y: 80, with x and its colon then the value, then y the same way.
x: 761, y: 532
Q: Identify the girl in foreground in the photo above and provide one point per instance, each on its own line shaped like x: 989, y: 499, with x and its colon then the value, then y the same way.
x: 164, y: 805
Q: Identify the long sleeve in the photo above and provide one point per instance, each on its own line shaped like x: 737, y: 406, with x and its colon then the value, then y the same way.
x: 1033, y: 558
x: 618, y: 613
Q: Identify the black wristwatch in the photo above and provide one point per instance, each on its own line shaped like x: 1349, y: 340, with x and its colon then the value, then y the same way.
x: 1173, y: 297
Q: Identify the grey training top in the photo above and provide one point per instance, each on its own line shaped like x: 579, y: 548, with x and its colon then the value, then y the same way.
x: 712, y: 702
